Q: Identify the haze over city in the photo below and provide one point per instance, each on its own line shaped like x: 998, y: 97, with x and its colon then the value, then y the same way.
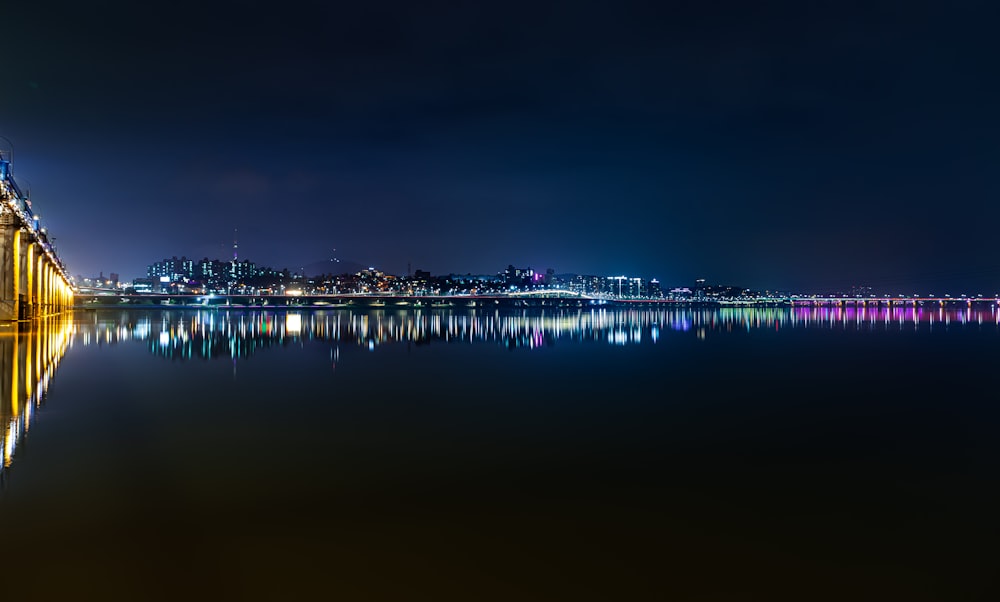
x: 785, y: 145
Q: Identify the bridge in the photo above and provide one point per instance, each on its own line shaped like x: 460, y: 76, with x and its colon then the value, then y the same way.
x: 886, y: 301
x: 93, y: 299
x: 33, y: 281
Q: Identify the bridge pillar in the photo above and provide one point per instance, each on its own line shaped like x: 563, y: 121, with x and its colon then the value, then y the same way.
x: 46, y: 289
x: 54, y: 304
x: 43, y: 290
x: 10, y: 239
x: 37, y: 292
x: 22, y: 270
x: 29, y: 284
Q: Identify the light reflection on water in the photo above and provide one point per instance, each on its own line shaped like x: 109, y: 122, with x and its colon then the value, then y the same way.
x: 28, y: 360
x: 741, y: 440
x: 198, y: 333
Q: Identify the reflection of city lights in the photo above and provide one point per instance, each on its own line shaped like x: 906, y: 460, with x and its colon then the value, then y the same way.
x: 35, y: 355
x: 188, y: 333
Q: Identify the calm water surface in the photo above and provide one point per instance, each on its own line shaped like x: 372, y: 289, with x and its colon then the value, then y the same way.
x: 743, y: 454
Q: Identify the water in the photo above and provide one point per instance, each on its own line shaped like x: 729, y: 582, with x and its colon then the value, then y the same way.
x: 738, y: 454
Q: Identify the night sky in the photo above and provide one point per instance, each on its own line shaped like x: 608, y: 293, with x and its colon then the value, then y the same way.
x: 798, y: 145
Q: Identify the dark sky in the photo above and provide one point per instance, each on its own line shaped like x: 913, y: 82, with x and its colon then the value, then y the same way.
x: 799, y: 145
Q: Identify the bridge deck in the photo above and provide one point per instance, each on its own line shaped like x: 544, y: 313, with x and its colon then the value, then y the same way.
x: 483, y: 301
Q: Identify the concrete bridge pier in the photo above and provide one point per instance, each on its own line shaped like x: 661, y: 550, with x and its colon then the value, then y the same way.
x: 30, y: 285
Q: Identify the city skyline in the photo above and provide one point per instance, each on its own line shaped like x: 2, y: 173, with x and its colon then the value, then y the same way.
x: 222, y: 275
x: 786, y: 147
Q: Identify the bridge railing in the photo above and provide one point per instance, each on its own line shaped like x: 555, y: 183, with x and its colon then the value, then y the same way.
x: 12, y: 194
x: 19, y: 204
